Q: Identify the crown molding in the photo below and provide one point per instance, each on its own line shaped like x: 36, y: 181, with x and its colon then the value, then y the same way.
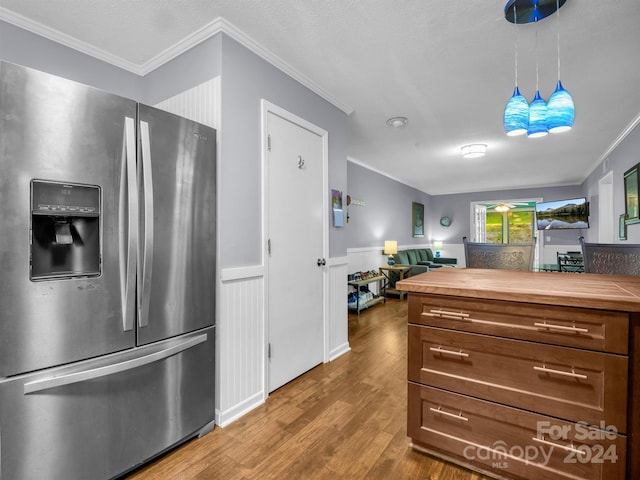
x: 384, y: 174
x: 615, y: 144
x: 219, y: 25
x: 250, y: 44
x: 66, y: 40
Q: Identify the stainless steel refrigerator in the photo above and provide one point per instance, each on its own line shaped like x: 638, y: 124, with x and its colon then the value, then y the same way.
x: 107, y: 279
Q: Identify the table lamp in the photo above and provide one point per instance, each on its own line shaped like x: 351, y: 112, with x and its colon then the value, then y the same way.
x: 390, y: 248
x: 437, y: 246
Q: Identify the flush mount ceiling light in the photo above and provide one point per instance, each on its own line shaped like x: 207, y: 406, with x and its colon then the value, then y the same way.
x: 397, y: 122
x: 473, y: 150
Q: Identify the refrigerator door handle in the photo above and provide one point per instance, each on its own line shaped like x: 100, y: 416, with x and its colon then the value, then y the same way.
x: 147, y: 253
x: 128, y: 252
x: 93, y: 373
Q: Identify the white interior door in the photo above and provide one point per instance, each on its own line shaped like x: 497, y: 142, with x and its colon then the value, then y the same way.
x: 295, y: 166
x: 606, y: 219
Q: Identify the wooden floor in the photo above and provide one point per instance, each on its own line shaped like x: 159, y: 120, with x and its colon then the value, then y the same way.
x: 344, y: 419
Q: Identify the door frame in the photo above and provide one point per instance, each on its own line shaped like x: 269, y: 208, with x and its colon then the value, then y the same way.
x: 607, y: 221
x: 266, y: 108
x: 538, y: 239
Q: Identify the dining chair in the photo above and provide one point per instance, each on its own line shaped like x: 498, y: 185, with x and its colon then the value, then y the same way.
x: 501, y: 256
x: 611, y: 258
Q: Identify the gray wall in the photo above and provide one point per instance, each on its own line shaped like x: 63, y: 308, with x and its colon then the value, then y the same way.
x: 457, y: 207
x: 387, y: 212
x: 24, y: 48
x: 625, y: 156
x: 195, y: 66
x: 246, y: 80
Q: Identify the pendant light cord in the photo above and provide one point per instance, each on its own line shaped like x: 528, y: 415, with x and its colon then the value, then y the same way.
x: 558, y: 15
x: 537, y: 89
x: 515, y: 38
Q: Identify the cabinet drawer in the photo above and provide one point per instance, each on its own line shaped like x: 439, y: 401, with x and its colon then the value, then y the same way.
x: 511, y: 442
x: 578, y: 385
x: 574, y: 327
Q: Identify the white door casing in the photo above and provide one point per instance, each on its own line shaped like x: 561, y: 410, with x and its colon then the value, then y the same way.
x: 296, y: 232
x: 478, y: 224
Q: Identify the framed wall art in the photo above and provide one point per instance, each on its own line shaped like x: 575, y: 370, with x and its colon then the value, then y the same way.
x: 632, y: 213
x: 417, y: 215
x: 622, y: 227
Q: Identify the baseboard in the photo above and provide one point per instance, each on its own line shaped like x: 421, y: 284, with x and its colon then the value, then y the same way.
x: 339, y: 351
x: 226, y: 417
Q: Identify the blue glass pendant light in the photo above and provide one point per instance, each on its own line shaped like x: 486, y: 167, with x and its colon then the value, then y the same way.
x: 516, y: 112
x: 560, y: 109
x: 537, y: 117
x: 537, y: 108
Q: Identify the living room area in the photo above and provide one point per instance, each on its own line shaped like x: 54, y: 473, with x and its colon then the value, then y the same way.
x: 381, y: 209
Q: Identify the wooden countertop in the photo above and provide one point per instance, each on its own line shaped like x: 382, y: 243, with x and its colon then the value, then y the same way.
x: 610, y: 292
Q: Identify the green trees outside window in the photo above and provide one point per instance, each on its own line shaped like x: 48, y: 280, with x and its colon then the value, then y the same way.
x: 512, y: 226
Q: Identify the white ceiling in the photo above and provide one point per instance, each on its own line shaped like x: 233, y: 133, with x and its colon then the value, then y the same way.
x: 447, y: 65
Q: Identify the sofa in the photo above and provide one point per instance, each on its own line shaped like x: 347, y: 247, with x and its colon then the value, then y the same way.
x: 419, y: 258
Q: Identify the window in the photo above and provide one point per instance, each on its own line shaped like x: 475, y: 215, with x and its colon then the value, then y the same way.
x: 512, y: 222
x: 515, y: 225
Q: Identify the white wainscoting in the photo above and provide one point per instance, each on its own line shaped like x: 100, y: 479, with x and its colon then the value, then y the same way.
x: 451, y: 250
x: 200, y: 103
x: 241, y: 336
x: 337, y: 312
x: 240, y: 343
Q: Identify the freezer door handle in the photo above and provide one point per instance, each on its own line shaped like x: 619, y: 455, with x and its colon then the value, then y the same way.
x: 147, y: 253
x: 129, y: 200
x: 93, y: 373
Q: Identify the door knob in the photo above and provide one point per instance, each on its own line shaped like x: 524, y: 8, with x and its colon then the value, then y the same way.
x: 321, y: 262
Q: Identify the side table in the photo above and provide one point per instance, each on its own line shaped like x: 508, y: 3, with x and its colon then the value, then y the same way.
x: 359, y: 283
x: 385, y: 271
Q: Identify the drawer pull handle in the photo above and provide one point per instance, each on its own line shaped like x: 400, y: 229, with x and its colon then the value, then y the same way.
x: 564, y: 328
x: 449, y: 352
x: 447, y: 314
x: 452, y: 415
x: 568, y: 448
x: 571, y: 374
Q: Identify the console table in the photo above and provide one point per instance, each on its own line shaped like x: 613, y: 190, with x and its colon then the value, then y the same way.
x: 526, y: 375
